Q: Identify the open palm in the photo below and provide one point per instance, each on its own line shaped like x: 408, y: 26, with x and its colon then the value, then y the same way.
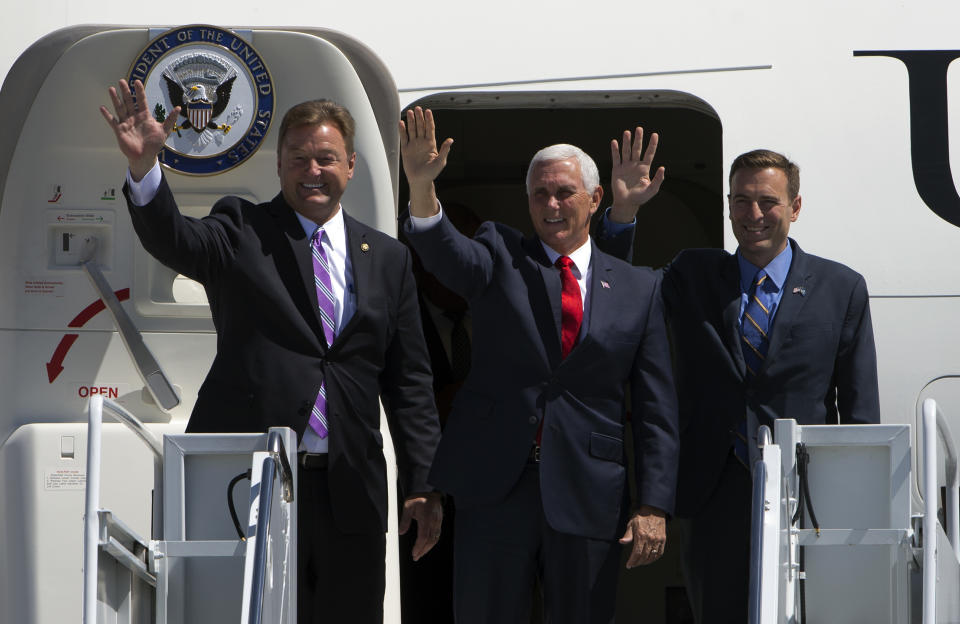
x: 631, y: 182
x: 139, y: 136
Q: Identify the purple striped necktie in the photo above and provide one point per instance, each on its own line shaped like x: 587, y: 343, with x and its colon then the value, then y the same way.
x: 325, y: 300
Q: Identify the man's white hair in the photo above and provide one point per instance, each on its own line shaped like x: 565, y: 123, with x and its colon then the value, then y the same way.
x: 562, y: 151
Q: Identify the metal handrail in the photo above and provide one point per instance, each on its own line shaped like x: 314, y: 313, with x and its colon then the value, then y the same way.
x: 935, y: 428
x: 756, y: 540
x: 756, y: 530
x: 277, y: 457
x: 91, y: 540
x: 91, y: 521
x: 134, y: 424
x: 275, y: 446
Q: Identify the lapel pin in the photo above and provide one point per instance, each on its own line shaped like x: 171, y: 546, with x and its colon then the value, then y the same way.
x: 800, y: 290
x: 604, y: 284
x: 364, y: 247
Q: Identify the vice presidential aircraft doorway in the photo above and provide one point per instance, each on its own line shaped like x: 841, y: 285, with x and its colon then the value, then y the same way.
x: 496, y: 134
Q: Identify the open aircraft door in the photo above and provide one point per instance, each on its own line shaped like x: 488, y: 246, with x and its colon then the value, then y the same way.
x: 60, y: 186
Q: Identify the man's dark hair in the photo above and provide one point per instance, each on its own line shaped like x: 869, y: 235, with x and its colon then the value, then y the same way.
x: 316, y: 112
x: 768, y: 159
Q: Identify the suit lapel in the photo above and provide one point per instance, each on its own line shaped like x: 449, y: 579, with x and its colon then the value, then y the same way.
x: 303, y: 258
x: 361, y: 259
x: 547, y: 317
x: 797, y: 286
x: 601, y: 287
x: 730, y: 278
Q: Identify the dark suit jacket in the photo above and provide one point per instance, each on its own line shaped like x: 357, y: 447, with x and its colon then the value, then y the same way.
x: 518, y: 377
x: 255, y: 264
x: 821, y: 366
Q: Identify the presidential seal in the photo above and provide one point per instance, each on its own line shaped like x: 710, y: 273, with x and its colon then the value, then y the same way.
x: 224, y: 91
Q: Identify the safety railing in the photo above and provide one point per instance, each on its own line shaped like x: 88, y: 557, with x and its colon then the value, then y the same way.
x: 936, y: 430
x: 98, y: 527
x: 764, y: 585
x: 275, y: 462
x: 756, y: 540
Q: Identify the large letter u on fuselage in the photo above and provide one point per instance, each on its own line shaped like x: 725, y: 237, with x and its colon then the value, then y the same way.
x: 929, y: 143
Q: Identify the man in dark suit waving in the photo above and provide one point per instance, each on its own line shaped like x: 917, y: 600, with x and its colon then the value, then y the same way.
x: 317, y: 322
x: 768, y: 332
x: 534, y: 449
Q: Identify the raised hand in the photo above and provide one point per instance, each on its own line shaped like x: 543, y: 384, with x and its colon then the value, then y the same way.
x: 630, y: 182
x: 139, y: 136
x: 422, y: 161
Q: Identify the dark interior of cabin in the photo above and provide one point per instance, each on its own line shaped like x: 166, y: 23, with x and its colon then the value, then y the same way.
x: 496, y: 134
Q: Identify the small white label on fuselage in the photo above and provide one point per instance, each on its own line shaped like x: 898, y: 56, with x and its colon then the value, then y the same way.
x: 64, y: 479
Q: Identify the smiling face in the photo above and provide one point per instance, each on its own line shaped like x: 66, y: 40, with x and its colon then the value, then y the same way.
x: 314, y: 168
x: 560, y: 206
x: 761, y: 212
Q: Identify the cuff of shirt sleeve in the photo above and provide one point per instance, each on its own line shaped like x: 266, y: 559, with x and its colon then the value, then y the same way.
x: 422, y: 224
x: 612, y: 227
x: 143, y: 192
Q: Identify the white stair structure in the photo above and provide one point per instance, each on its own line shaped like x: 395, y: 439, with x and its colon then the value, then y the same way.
x: 863, y: 555
x: 196, y: 567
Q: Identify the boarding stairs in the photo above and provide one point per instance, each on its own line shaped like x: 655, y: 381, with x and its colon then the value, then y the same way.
x: 836, y: 536
x: 195, y: 567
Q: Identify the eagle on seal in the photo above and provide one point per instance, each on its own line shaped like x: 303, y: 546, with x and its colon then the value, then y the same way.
x: 196, y: 106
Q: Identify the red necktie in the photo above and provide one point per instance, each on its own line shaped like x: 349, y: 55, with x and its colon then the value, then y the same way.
x: 571, y: 314
x: 571, y: 305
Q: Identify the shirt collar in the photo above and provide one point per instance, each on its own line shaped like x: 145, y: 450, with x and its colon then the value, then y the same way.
x: 777, y: 269
x: 334, y: 228
x: 580, y: 256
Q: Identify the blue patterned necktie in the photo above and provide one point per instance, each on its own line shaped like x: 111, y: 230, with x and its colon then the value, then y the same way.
x: 754, y: 342
x: 756, y: 322
x: 326, y: 303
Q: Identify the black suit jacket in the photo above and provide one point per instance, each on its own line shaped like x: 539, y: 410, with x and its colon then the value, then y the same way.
x: 518, y: 378
x: 820, y: 368
x: 255, y: 264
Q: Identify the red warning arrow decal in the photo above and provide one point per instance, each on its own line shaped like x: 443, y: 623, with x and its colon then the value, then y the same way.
x: 55, y: 365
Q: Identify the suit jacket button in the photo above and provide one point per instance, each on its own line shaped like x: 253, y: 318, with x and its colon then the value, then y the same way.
x: 532, y: 420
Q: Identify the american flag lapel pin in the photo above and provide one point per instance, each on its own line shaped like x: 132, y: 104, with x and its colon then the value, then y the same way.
x: 604, y: 284
x: 800, y: 290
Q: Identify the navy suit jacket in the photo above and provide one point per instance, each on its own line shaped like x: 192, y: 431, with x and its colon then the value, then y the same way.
x: 820, y: 368
x: 518, y: 378
x: 255, y: 263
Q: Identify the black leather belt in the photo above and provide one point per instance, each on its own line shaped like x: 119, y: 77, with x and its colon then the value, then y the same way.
x: 313, y: 461
x: 534, y: 456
